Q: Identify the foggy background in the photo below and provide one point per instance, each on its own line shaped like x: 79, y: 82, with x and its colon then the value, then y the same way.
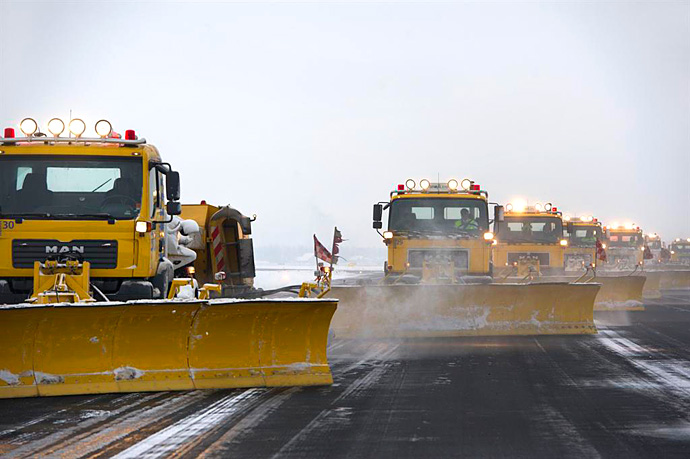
x: 306, y: 114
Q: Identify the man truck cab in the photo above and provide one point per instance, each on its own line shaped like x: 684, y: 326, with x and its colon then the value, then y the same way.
x: 105, y: 200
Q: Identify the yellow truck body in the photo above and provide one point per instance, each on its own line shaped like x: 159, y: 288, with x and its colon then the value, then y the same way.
x: 49, y: 208
x: 624, y: 248
x: 529, y: 239
x: 581, y: 250
x: 224, y: 245
x: 680, y: 251
x: 410, y: 248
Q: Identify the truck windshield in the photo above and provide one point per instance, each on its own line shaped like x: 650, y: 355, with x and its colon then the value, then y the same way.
x: 584, y: 235
x: 654, y: 244
x: 68, y: 187
x: 439, y: 216
x: 681, y: 247
x: 624, y: 239
x: 530, y: 229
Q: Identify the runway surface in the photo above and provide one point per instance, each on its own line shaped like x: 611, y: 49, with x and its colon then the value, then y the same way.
x: 622, y: 393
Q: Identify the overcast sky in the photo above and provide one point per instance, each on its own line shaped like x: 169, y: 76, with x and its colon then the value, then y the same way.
x: 306, y: 114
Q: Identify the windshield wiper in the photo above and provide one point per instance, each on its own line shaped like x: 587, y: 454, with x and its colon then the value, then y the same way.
x: 25, y: 215
x: 101, y: 185
x: 102, y: 215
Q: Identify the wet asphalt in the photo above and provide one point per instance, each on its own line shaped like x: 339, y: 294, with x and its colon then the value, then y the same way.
x: 622, y: 393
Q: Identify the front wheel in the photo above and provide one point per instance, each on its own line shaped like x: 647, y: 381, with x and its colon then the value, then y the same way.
x: 161, y: 284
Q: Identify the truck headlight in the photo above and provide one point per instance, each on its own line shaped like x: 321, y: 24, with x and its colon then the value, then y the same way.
x: 388, y: 234
x: 452, y: 185
x: 425, y: 184
x: 56, y: 127
x: 564, y: 242
x: 103, y: 128
x: 488, y: 236
x: 77, y: 127
x: 410, y: 184
x: 142, y: 227
x: 28, y: 126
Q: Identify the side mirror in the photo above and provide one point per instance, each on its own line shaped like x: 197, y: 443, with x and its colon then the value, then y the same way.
x: 570, y: 227
x: 173, y: 208
x: 499, y: 214
x: 172, y: 186
x: 378, y: 215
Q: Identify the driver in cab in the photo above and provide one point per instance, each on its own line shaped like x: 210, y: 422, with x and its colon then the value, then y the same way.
x: 466, y: 222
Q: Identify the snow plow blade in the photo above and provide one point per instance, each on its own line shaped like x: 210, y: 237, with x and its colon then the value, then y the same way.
x: 62, y: 349
x: 623, y: 293
x: 670, y: 280
x: 652, y: 286
x: 464, y: 309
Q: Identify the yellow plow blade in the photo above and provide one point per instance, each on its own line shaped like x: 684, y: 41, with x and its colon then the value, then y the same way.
x: 162, y: 345
x: 652, y: 287
x: 623, y: 293
x: 269, y: 343
x: 674, y: 279
x: 466, y: 309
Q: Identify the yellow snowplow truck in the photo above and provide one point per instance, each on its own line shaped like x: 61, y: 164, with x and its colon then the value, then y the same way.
x: 619, y: 291
x: 89, y: 242
x: 624, y: 248
x: 672, y: 274
x: 654, y: 243
x: 529, y: 242
x: 437, y: 279
x: 223, y: 246
x: 680, y: 251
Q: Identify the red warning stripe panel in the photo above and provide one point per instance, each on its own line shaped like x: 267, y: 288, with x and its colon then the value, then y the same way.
x: 218, y: 252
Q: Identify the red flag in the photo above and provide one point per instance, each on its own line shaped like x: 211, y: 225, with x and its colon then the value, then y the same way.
x: 337, y: 236
x: 321, y: 252
x: 601, y: 252
x: 337, y: 239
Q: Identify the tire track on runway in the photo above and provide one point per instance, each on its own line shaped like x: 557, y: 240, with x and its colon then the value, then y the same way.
x: 571, y: 427
x: 323, y: 427
x: 175, y: 439
x: 92, y: 434
x: 42, y: 432
x: 671, y: 373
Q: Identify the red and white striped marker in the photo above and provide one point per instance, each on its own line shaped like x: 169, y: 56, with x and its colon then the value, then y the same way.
x: 218, y: 252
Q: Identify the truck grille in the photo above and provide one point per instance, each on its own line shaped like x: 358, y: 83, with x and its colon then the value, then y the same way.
x: 417, y: 257
x: 100, y: 253
x: 515, y: 257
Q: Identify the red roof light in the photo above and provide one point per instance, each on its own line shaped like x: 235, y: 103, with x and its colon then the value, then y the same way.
x: 401, y: 187
x: 9, y: 133
x: 474, y: 187
x: 554, y: 209
x: 130, y: 134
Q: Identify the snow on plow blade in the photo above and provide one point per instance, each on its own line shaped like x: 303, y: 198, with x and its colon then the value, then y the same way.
x: 161, y: 345
x: 464, y: 309
x: 620, y: 293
